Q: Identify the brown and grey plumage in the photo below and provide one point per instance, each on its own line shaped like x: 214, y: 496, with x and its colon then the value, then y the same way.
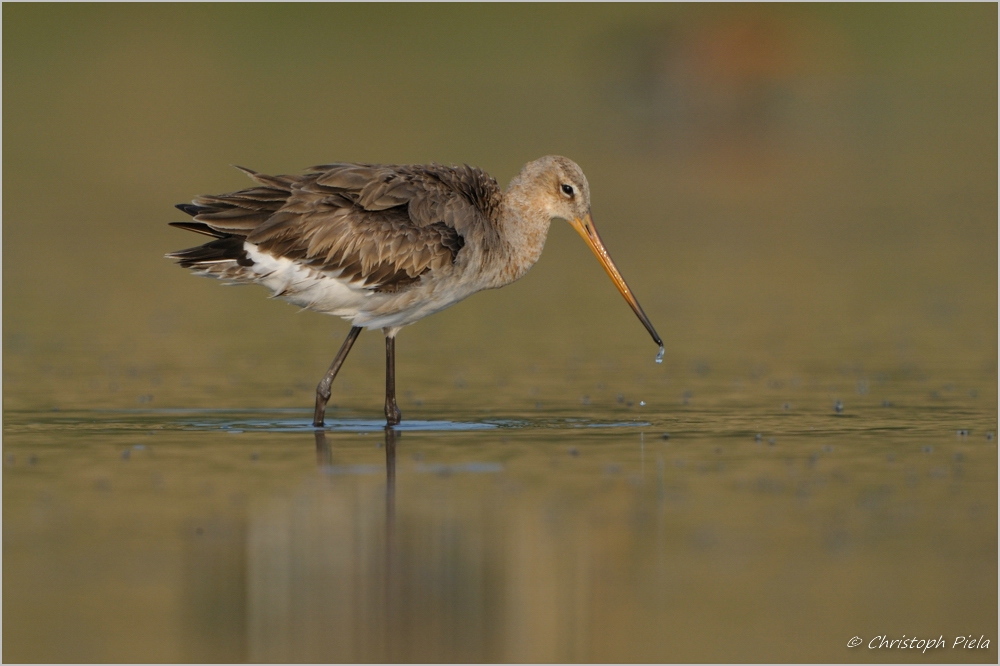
x: 386, y: 245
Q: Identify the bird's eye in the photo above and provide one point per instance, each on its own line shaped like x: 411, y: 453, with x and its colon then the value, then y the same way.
x: 567, y: 190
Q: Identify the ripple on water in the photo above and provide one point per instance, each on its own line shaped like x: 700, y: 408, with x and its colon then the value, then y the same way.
x: 239, y: 421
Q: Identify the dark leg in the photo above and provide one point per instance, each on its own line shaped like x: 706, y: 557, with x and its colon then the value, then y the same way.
x: 323, y: 389
x: 392, y: 415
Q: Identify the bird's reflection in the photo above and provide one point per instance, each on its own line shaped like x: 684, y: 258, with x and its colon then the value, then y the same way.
x: 324, y: 459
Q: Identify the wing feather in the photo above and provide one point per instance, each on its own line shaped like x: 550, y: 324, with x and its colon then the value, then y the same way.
x: 383, y: 226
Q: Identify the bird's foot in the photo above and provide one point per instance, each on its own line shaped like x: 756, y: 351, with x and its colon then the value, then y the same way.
x: 392, y: 414
x: 320, y: 411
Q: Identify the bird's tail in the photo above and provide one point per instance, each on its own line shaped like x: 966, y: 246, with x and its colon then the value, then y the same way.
x: 225, y: 257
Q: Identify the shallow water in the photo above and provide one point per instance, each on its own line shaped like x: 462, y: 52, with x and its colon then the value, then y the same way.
x: 803, y: 198
x: 670, y: 534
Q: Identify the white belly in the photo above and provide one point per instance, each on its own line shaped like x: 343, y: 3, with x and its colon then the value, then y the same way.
x: 362, y: 306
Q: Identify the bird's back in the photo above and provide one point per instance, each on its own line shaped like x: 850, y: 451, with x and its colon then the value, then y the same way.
x: 375, y: 228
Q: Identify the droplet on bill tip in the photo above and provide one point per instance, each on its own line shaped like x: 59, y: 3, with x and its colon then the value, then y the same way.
x: 659, y: 355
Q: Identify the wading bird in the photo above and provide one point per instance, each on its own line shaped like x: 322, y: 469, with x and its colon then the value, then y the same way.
x: 383, y: 246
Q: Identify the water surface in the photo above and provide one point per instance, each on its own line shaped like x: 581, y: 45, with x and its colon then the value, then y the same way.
x: 678, y: 533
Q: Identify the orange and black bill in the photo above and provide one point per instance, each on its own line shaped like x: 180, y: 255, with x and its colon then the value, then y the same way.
x: 588, y: 231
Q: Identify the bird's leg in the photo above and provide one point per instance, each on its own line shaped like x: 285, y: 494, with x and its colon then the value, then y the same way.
x: 392, y: 415
x: 323, y: 389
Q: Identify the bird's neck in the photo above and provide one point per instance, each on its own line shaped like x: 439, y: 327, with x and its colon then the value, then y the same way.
x: 523, y: 226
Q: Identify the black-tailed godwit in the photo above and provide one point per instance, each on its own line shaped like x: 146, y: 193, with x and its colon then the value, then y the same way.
x: 383, y: 246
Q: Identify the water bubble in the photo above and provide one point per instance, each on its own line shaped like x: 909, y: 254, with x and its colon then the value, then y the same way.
x: 659, y: 355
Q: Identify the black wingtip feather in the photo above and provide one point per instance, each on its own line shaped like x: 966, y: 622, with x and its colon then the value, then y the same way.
x: 191, y: 209
x: 198, y: 228
x: 229, y: 248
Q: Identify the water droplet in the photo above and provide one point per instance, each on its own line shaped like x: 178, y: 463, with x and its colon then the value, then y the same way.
x: 659, y: 355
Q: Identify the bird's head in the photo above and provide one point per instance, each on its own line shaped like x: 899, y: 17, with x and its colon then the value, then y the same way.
x: 557, y: 186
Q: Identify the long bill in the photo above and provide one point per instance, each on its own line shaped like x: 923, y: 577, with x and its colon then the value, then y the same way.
x: 588, y: 232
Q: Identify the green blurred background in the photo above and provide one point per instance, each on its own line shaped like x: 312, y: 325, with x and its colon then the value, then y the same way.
x: 788, y: 186
x: 803, y: 198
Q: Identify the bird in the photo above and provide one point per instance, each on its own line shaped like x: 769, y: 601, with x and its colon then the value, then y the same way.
x: 385, y: 245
